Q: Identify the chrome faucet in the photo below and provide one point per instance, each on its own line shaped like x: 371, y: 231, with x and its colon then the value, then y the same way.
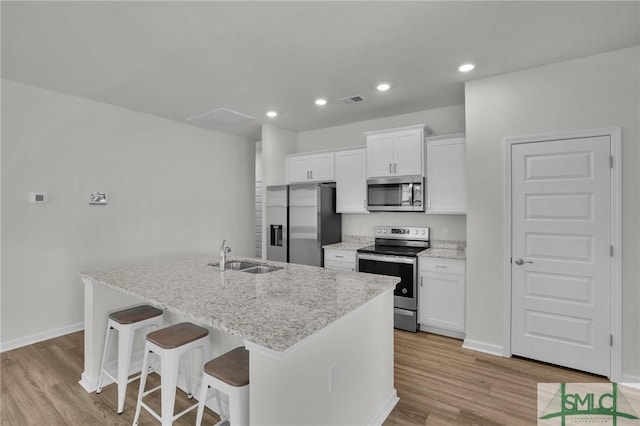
x: 223, y: 255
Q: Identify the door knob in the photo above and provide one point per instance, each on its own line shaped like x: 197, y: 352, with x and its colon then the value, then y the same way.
x: 521, y: 261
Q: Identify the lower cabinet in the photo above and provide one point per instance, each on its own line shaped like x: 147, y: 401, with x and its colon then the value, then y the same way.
x: 441, y: 296
x: 341, y: 260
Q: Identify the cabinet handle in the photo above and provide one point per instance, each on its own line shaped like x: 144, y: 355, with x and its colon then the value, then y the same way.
x: 341, y: 257
x: 307, y: 174
x: 390, y: 170
x: 395, y: 167
x: 421, y: 283
x: 441, y: 266
x: 364, y: 204
x: 311, y: 174
x: 429, y: 203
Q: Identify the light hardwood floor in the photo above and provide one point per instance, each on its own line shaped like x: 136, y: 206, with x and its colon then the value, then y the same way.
x: 438, y: 383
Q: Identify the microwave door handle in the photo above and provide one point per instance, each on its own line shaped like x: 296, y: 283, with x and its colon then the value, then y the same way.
x: 411, y: 194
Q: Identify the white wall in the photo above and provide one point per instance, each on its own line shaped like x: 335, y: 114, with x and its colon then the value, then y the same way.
x: 442, y: 121
x: 168, y: 187
x: 588, y: 93
x: 276, y: 144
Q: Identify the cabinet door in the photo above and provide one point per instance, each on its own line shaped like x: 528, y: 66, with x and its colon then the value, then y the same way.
x: 321, y: 167
x: 442, y: 301
x: 408, y: 152
x: 380, y: 155
x: 446, y: 186
x: 297, y: 169
x: 351, y: 181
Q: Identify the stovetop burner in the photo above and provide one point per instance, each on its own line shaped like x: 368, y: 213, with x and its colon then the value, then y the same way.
x: 398, y: 241
x: 393, y: 250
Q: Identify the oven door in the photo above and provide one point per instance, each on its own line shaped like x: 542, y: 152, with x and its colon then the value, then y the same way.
x: 405, y: 268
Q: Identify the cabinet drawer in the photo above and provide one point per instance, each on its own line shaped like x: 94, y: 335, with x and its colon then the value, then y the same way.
x: 340, y: 266
x: 348, y: 256
x: 442, y: 265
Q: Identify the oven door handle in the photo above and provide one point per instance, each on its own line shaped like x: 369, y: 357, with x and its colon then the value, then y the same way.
x: 388, y: 259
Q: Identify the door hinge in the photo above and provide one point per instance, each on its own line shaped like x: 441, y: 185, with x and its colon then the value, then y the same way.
x: 610, y: 251
x: 611, y: 340
x: 611, y: 161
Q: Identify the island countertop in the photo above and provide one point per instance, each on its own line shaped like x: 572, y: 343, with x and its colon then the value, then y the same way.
x: 275, y: 310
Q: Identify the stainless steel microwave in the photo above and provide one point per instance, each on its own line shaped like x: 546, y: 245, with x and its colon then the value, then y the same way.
x: 395, y: 194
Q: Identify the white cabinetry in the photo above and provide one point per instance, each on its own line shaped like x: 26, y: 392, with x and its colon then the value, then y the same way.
x: 341, y: 260
x: 351, y: 181
x: 396, y: 152
x: 441, y: 296
x: 446, y: 187
x: 310, y: 167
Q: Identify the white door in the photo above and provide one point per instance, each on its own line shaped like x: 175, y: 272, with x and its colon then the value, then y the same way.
x: 561, y: 264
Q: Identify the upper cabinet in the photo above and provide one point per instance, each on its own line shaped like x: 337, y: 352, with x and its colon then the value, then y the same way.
x: 318, y: 167
x: 396, y: 152
x: 351, y: 181
x: 446, y: 187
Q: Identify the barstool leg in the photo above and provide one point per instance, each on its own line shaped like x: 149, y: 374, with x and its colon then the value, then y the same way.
x: 104, y: 356
x: 201, y: 402
x: 239, y: 407
x: 143, y: 381
x: 169, y: 372
x: 125, y: 343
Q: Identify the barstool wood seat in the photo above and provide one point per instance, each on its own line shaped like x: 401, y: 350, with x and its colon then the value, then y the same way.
x: 231, y: 368
x: 229, y: 374
x: 177, y: 335
x: 126, y: 322
x: 169, y: 344
x: 135, y: 314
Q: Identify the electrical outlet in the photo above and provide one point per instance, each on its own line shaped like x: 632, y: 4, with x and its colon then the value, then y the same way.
x: 445, y: 232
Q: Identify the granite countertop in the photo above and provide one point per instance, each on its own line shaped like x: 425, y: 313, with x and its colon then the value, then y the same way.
x: 443, y: 249
x: 351, y: 242
x: 275, y: 310
x: 346, y: 245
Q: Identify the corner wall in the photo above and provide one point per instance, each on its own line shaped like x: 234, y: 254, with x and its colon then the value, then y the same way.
x: 168, y: 187
x: 588, y: 93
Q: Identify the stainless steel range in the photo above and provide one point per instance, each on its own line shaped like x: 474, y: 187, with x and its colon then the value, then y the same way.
x: 395, y: 253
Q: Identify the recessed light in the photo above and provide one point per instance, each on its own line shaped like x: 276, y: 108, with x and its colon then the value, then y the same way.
x: 466, y: 67
x: 272, y: 114
x: 321, y: 102
x: 383, y: 87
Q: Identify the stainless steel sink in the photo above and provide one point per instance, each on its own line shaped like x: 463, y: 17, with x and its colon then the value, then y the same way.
x: 239, y: 266
x: 261, y: 269
x: 252, y: 268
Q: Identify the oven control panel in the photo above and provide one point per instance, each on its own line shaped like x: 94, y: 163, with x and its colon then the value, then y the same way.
x: 402, y: 232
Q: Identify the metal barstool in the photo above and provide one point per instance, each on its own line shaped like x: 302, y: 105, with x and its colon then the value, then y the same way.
x: 126, y: 322
x: 229, y: 374
x: 169, y: 344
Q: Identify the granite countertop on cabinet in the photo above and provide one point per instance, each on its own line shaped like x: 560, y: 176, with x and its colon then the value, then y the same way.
x: 275, y: 310
x: 351, y: 242
x: 443, y: 249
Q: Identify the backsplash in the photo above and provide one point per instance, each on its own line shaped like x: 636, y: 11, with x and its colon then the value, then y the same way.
x: 448, y: 244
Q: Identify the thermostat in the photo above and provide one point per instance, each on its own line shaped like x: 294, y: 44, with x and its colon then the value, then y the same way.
x: 38, y: 197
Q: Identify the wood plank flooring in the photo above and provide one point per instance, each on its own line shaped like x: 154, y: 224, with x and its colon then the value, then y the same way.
x: 438, y: 383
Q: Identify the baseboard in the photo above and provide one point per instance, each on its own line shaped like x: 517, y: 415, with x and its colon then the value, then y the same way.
x: 487, y: 348
x: 442, y: 331
x: 631, y: 381
x: 40, y: 337
x: 385, y: 409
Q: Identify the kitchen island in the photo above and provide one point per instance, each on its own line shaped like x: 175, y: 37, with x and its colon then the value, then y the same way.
x: 320, y: 341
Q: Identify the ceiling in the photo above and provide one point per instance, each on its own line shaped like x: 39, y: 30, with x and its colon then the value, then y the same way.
x: 180, y: 59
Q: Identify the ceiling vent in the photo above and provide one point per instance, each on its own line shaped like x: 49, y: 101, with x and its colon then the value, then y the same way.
x: 220, y: 117
x: 352, y: 99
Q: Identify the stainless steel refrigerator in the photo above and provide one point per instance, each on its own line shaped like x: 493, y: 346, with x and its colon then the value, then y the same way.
x: 301, y: 218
